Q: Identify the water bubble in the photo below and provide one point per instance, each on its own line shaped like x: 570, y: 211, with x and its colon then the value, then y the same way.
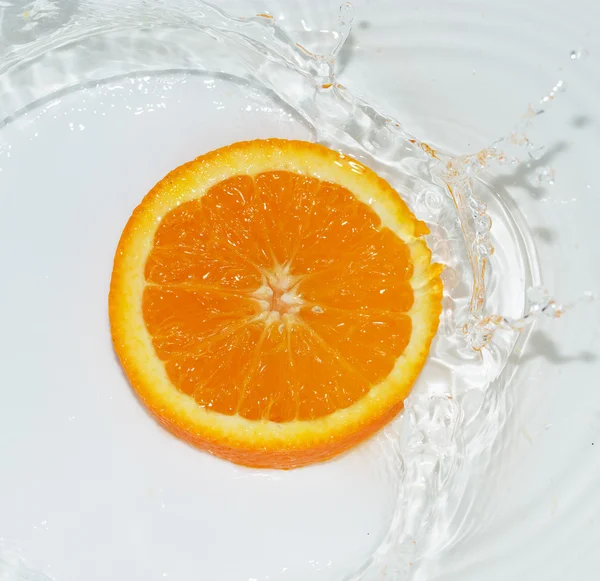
x: 317, y: 310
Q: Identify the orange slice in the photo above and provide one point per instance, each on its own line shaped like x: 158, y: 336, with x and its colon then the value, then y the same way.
x: 273, y: 302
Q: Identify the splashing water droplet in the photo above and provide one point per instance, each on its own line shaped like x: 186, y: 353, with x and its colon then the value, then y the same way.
x: 483, y: 224
x: 578, y: 54
x: 346, y: 14
x: 345, y: 19
x: 538, y: 298
x: 560, y: 87
x: 483, y: 246
x: 535, y: 151
x: 542, y: 176
x: 479, y: 330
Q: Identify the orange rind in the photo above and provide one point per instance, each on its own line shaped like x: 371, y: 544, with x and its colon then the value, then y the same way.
x: 273, y: 302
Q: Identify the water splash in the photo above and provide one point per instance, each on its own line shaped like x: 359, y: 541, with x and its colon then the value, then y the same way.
x: 514, y: 149
x: 430, y: 450
x: 481, y: 329
x: 14, y: 568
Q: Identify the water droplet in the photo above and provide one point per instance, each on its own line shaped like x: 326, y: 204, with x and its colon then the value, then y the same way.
x: 538, y: 299
x: 345, y: 18
x: 483, y: 224
x: 416, y: 440
x: 552, y: 310
x: 451, y: 280
x: 519, y: 138
x: 483, y: 247
x: 381, y: 138
x: 346, y: 14
x: 589, y: 296
x: 475, y: 165
x: 560, y: 87
x: 476, y: 333
x: 317, y: 309
x: 535, y: 151
x: 578, y: 54
x: 543, y: 175
x: 477, y: 205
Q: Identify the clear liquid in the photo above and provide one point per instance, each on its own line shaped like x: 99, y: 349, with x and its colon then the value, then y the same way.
x: 434, y: 453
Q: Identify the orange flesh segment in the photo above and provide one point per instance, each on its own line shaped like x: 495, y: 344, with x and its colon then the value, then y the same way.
x: 277, y: 297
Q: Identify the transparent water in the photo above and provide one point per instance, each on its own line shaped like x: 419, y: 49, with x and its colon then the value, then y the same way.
x: 436, y: 451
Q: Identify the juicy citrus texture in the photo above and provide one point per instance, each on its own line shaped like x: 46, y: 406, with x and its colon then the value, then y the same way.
x: 273, y: 302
